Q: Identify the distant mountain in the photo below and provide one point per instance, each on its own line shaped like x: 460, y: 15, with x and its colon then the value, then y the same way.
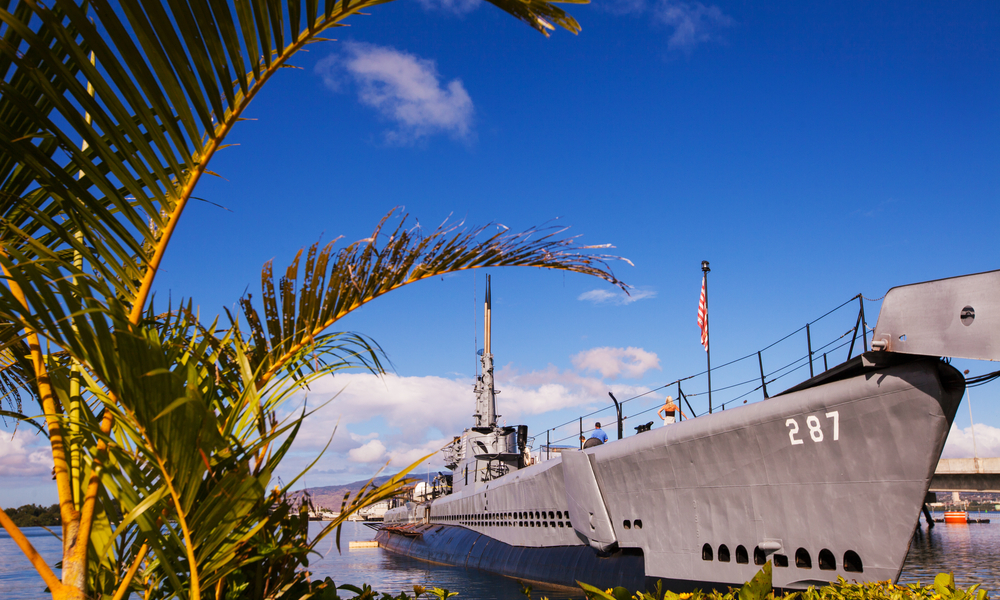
x: 332, y: 496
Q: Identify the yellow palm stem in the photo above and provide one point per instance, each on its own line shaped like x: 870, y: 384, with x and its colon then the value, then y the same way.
x: 76, y: 559
x: 68, y: 514
x: 127, y: 580
x: 75, y: 451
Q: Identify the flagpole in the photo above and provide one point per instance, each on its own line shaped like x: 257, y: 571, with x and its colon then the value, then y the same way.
x: 708, y: 348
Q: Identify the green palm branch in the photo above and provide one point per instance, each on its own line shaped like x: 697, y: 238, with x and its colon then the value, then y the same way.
x: 169, y: 82
x: 164, y: 431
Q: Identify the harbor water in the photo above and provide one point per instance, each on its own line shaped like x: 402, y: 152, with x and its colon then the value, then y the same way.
x: 971, y: 552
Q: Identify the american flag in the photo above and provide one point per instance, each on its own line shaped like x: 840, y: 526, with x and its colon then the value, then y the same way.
x: 703, y: 312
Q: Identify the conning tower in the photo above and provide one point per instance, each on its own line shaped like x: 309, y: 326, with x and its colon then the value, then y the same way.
x: 486, y: 450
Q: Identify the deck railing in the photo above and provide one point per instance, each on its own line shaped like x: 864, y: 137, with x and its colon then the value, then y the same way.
x: 744, y: 379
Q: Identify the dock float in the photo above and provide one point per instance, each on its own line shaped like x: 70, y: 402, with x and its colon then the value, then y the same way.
x: 364, y: 544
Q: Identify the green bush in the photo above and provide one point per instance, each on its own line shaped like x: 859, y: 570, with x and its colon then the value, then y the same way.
x: 758, y: 588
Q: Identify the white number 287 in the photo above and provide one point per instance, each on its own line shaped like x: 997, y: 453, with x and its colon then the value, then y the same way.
x: 815, y: 428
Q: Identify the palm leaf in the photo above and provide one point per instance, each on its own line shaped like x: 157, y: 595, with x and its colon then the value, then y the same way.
x: 169, y: 83
x: 336, y: 282
x: 169, y: 80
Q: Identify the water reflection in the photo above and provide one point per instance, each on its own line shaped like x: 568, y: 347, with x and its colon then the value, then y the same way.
x: 971, y: 552
x: 387, y: 572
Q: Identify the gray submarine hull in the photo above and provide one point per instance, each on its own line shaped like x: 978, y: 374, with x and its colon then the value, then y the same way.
x: 825, y: 480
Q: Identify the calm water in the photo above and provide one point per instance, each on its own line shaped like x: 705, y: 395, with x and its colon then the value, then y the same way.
x: 971, y: 552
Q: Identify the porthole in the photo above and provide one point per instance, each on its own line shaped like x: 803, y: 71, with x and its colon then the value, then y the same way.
x: 627, y: 524
x: 558, y: 514
x: 741, y: 555
x: 561, y: 524
x: 827, y: 561
x: 552, y: 523
x: 552, y: 514
x: 706, y: 552
x: 780, y: 560
x: 852, y: 562
x: 723, y: 553
x: 531, y: 523
x: 802, y: 559
x: 545, y: 523
x: 637, y: 523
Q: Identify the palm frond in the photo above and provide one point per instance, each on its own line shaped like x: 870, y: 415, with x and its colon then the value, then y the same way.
x: 336, y: 282
x: 110, y: 112
x: 168, y: 83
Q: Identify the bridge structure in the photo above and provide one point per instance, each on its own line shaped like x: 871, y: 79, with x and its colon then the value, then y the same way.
x: 967, y: 475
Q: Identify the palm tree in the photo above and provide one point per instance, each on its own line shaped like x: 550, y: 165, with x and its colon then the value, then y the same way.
x: 163, y: 429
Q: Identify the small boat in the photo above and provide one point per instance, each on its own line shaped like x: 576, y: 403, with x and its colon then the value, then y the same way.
x: 956, y: 516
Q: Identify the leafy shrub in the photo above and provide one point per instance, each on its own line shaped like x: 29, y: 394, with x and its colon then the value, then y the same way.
x: 759, y: 588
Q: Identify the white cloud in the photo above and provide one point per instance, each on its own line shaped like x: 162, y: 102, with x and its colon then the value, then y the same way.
x: 406, y: 457
x: 693, y: 23
x: 457, y: 7
x: 24, y: 454
x: 369, y: 452
x: 397, y: 420
x: 960, y: 445
x: 405, y: 90
x: 409, y: 404
x: 601, y: 296
x: 624, y: 7
x: 614, y: 362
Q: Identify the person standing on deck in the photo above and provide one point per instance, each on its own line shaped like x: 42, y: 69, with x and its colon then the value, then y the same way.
x: 598, y: 433
x: 669, y: 411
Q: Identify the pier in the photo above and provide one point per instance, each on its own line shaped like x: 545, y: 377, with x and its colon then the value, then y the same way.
x: 967, y: 475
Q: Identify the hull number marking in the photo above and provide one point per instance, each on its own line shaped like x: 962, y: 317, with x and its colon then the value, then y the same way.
x: 815, y: 428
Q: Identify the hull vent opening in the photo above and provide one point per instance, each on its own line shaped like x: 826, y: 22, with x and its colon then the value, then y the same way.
x: 802, y: 559
x: 758, y: 557
x: 706, y: 552
x: 827, y: 562
x: 780, y: 560
x: 852, y: 562
x: 723, y: 553
x: 741, y: 555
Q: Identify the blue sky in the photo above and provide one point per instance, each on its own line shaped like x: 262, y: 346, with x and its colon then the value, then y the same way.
x: 810, y: 151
